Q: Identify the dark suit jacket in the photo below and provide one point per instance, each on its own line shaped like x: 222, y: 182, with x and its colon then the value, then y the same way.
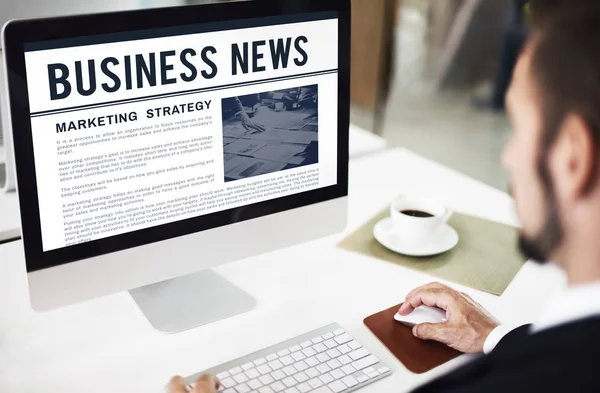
x: 562, y: 359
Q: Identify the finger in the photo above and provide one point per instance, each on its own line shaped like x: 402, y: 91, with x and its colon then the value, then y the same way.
x: 176, y: 385
x: 429, y: 297
x: 260, y: 127
x: 432, y: 331
x: 431, y: 285
x: 206, y: 383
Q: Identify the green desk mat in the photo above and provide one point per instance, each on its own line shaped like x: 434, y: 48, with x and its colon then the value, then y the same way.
x: 486, y: 257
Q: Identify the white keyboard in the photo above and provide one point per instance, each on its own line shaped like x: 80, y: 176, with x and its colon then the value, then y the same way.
x: 326, y: 360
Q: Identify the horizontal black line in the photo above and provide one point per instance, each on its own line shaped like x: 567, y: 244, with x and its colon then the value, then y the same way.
x: 179, y: 93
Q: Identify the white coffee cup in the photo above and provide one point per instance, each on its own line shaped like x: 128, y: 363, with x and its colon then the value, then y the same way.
x: 413, y: 230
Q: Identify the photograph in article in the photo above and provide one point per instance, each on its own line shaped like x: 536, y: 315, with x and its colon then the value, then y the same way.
x: 270, y: 131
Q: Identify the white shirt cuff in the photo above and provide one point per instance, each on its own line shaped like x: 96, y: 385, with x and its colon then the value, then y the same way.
x: 496, y: 335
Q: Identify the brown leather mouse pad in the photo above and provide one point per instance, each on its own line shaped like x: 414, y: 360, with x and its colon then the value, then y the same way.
x: 416, y: 355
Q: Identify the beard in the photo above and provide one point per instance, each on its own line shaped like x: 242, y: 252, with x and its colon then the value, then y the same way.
x: 540, y: 248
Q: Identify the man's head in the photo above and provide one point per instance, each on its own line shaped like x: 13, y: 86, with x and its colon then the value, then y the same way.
x: 554, y: 105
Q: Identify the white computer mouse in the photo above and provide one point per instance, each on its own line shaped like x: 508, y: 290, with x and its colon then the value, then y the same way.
x: 422, y: 314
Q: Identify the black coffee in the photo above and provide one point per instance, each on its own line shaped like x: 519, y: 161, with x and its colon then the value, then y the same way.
x: 416, y: 213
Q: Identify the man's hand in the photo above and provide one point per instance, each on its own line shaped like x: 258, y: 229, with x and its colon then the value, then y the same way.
x: 205, y: 384
x: 467, y: 324
x: 250, y: 125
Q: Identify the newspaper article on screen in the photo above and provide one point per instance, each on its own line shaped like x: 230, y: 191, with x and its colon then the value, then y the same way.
x: 133, y: 134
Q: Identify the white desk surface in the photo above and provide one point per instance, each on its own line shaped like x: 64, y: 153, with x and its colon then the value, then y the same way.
x: 10, y: 221
x: 362, y: 143
x: 106, y: 345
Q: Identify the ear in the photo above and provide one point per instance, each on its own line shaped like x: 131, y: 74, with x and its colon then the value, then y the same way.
x: 573, y: 159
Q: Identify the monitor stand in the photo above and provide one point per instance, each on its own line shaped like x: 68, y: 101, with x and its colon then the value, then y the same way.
x: 186, y: 302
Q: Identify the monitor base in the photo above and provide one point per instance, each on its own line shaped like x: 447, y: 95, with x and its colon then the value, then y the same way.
x: 183, y: 303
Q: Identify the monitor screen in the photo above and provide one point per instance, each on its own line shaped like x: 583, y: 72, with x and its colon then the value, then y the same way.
x: 139, y: 130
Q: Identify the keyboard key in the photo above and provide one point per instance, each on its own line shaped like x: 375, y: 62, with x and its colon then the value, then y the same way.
x: 255, y: 384
x: 362, y: 378
x: 330, y: 344
x: 289, y: 370
x: 338, y: 374
x: 317, y: 340
x: 315, y: 383
x: 327, y: 336
x: 337, y: 386
x: 264, y: 369
x: 228, y: 382
x: 298, y: 356
x: 296, y: 348
x: 304, y: 388
x: 343, y: 339
x: 252, y: 373
x: 235, y: 370
x: 344, y: 349
x: 320, y: 348
x: 308, y: 352
x: 327, y: 378
x: 287, y: 360
x: 312, y: 373
x: 354, y: 345
x: 323, y: 368
x: 365, y: 362
x: 265, y: 389
x: 243, y: 388
x: 383, y: 370
x: 306, y: 344
x: 312, y: 361
x: 334, y: 364
x: 230, y: 390
x: 292, y: 390
x: 247, y: 366
x: 240, y: 378
x: 338, y: 332
x: 223, y: 375
x: 359, y: 354
x: 266, y: 380
x: 275, y: 364
x: 301, y: 377
x: 369, y: 370
x: 322, y: 389
x: 348, y: 369
x: 323, y: 357
x: 278, y: 387
x: 373, y: 374
x: 278, y: 375
x: 350, y: 381
x: 260, y: 361
x: 333, y: 353
x: 289, y: 382
x: 301, y: 365
x: 344, y: 359
x: 272, y: 357
x: 283, y: 352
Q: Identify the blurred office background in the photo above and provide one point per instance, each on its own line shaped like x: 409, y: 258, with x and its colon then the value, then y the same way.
x: 417, y: 66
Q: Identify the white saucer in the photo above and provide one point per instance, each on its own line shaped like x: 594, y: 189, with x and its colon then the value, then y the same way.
x: 445, y: 240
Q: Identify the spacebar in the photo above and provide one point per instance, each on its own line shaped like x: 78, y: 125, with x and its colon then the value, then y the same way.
x: 365, y: 362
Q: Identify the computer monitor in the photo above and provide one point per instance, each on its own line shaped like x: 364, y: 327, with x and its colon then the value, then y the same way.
x: 155, y: 144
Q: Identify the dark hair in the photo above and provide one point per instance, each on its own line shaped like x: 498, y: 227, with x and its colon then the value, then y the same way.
x: 565, y: 62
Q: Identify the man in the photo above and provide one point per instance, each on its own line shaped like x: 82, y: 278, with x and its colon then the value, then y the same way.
x: 236, y: 107
x: 554, y: 162
x: 514, y: 37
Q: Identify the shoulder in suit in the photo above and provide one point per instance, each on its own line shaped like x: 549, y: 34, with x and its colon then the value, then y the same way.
x: 561, y: 359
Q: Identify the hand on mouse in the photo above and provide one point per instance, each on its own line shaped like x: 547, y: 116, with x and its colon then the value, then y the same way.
x: 467, y: 324
x: 205, y: 384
